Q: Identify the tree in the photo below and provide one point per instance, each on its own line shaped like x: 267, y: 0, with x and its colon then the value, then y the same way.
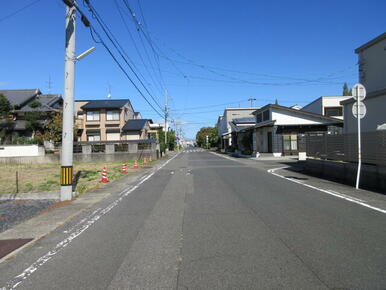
x: 33, y: 122
x: 211, y: 132
x: 53, y: 129
x: 346, y: 90
x: 5, y: 107
x: 171, y: 139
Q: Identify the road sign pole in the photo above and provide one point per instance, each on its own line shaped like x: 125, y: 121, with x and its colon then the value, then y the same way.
x: 359, y: 142
x: 359, y: 112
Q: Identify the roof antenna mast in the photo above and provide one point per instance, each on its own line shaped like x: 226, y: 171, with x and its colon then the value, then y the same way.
x: 109, y: 94
x: 49, y: 84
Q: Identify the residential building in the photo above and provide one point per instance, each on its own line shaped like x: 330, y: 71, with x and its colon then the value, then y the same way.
x: 239, y: 128
x: 277, y: 128
x: 137, y: 115
x: 26, y: 101
x: 372, y: 72
x: 296, y: 107
x: 327, y: 106
x: 105, y: 120
x: 136, y: 129
x: 224, y: 126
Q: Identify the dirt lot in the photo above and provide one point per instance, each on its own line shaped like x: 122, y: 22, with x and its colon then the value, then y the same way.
x: 46, y: 177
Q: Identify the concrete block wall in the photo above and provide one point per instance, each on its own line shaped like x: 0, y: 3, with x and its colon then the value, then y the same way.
x: 21, y: 150
x: 372, y: 177
x: 80, y: 157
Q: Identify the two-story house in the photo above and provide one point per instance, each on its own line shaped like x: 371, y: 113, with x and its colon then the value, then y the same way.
x: 25, y: 102
x: 224, y: 123
x: 372, y: 74
x: 108, y: 120
x: 327, y: 106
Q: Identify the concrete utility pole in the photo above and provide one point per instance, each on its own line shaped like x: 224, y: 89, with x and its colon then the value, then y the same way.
x: 166, y: 119
x: 66, y: 175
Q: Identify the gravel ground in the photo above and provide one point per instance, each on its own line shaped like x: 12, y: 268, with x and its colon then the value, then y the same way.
x: 13, y: 212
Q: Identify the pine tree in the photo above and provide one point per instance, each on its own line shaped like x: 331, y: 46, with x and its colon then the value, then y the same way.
x: 5, y: 106
x: 346, y: 90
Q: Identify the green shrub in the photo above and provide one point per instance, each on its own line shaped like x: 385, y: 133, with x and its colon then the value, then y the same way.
x: 81, y: 188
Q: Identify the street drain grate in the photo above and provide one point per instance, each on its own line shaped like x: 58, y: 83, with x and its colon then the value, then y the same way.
x: 8, y: 246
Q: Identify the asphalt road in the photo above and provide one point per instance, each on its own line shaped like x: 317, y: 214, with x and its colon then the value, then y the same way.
x: 206, y: 222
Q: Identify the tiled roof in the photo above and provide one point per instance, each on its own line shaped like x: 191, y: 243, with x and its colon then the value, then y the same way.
x: 48, y: 103
x: 135, y: 125
x: 13, y: 125
x: 106, y: 104
x: 18, y: 98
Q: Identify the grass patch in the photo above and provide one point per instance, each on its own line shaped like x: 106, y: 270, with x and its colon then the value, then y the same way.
x: 46, y: 177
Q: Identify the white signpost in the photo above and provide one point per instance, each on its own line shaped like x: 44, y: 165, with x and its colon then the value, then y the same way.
x: 359, y: 112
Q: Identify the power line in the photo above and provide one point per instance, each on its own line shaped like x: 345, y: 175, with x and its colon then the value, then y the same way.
x: 152, y: 44
x: 101, y: 41
x: 211, y: 68
x: 19, y: 10
x: 118, y: 47
x: 141, y: 11
x: 209, y: 106
x: 123, y: 70
x: 140, y: 29
x: 135, y: 45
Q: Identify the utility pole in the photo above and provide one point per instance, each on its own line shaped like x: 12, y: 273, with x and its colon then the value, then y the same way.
x: 251, y: 100
x: 166, y: 119
x: 66, y: 175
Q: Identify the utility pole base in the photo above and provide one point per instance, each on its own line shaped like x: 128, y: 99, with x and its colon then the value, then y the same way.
x: 65, y: 193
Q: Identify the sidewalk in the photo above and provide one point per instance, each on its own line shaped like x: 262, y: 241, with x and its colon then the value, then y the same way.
x: 360, y: 196
x: 60, y: 213
x: 289, y: 168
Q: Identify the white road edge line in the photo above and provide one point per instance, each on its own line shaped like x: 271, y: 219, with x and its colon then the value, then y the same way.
x: 330, y: 192
x: 75, y: 232
x: 226, y: 157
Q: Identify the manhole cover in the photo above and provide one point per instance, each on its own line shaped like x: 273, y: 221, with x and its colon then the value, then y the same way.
x: 8, y: 246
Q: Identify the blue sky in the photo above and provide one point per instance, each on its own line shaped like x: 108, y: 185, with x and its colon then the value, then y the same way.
x: 212, y: 53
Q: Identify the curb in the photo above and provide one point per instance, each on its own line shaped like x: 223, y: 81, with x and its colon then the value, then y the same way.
x: 34, y: 196
x: 138, y: 175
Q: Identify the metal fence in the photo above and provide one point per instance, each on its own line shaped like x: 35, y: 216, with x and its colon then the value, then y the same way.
x: 344, y: 147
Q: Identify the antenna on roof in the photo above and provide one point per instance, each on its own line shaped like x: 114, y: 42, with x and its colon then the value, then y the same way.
x: 109, y: 94
x: 251, y: 100
x: 49, y: 84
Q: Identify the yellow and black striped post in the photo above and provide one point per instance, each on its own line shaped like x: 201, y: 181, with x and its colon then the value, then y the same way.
x: 66, y: 175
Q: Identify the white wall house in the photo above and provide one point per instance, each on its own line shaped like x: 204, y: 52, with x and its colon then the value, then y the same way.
x: 277, y: 128
x: 223, y: 123
x: 327, y: 106
x: 372, y: 74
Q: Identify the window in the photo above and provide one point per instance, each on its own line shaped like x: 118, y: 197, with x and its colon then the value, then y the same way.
x: 112, y: 115
x: 266, y: 115
x: 93, y: 137
x: 333, y: 111
x: 290, y: 142
x: 259, y: 118
x: 92, y: 115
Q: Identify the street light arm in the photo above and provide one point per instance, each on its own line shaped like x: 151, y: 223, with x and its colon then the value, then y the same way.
x: 86, y: 53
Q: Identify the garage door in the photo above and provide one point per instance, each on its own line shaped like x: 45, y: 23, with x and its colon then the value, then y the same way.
x: 113, y: 136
